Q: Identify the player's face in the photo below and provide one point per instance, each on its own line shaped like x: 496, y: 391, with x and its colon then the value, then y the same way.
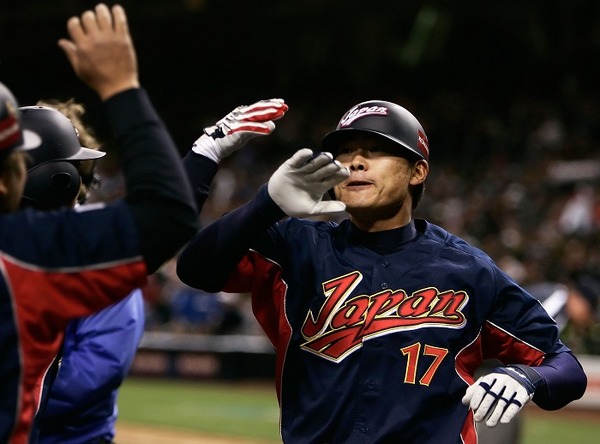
x: 377, y: 192
x: 12, y: 182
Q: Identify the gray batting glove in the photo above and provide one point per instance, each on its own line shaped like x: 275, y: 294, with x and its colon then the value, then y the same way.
x: 499, y: 395
x: 299, y: 184
x: 239, y: 126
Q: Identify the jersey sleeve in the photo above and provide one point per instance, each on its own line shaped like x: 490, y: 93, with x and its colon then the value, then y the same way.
x: 98, y: 353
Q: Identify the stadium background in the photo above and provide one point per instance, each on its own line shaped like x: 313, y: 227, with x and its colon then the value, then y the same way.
x: 507, y: 91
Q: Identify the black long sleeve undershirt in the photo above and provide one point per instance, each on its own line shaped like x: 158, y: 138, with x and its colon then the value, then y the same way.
x: 200, y: 171
x: 158, y: 191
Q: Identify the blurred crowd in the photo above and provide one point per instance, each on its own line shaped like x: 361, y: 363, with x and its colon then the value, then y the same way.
x: 519, y: 178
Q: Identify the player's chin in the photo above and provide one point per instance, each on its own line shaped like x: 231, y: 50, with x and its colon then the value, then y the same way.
x: 357, y: 207
x: 357, y: 197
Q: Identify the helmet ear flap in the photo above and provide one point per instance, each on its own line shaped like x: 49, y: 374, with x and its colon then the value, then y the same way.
x: 52, y: 185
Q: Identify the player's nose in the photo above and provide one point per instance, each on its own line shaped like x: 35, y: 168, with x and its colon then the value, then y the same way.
x: 358, y: 162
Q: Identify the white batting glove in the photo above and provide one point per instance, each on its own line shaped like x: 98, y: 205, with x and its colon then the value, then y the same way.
x: 239, y: 126
x: 499, y: 395
x: 299, y: 184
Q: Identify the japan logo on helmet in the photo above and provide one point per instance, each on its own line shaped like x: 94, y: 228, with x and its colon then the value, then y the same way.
x: 383, y: 119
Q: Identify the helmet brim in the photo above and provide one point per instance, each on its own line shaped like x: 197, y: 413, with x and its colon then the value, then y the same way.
x: 333, y: 139
x: 31, y: 140
x: 87, y: 154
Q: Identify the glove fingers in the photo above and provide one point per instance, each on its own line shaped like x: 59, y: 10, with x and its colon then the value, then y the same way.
x: 507, y: 406
x: 317, y: 161
x: 336, y: 178
x: 516, y: 402
x: 485, y: 406
x: 260, y: 111
x: 466, y: 400
x: 327, y: 171
x: 299, y: 158
x: 484, y: 396
x: 478, y: 391
x: 261, y: 115
x: 261, y: 104
x: 329, y: 207
x: 509, y: 413
x: 496, y: 411
x: 252, y: 127
x: 496, y: 397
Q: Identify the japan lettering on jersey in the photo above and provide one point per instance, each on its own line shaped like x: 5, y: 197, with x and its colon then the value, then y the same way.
x: 344, y: 321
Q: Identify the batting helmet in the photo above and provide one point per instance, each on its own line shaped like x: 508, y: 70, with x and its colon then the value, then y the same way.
x: 52, y: 178
x: 385, y: 119
x: 12, y: 135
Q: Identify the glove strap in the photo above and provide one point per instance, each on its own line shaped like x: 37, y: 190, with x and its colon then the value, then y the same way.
x: 523, y: 374
x: 533, y: 376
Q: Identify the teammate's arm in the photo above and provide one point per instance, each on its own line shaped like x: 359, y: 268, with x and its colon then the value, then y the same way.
x: 101, y: 53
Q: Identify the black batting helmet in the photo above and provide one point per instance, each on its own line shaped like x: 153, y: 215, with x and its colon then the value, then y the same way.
x: 385, y: 119
x: 52, y: 178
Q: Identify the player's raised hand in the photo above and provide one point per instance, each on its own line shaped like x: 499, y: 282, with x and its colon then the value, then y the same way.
x: 499, y: 395
x: 101, y: 51
x: 234, y: 130
x: 299, y: 184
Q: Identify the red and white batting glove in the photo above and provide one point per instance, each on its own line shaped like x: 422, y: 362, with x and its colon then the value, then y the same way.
x: 299, y: 184
x: 501, y: 394
x: 239, y: 126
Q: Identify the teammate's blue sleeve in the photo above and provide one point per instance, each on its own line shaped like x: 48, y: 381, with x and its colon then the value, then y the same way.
x: 98, y: 353
x: 208, y: 259
x: 563, y: 380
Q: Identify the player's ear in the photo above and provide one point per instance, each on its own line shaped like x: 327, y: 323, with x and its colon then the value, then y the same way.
x: 3, y: 187
x: 420, y: 172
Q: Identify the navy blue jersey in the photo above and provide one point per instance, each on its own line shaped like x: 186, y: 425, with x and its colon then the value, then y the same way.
x: 377, y: 335
x: 54, y: 269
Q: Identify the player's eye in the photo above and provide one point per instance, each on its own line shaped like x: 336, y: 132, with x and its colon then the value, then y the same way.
x: 344, y: 150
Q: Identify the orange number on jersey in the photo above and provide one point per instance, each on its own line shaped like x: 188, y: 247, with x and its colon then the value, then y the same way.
x: 413, y: 352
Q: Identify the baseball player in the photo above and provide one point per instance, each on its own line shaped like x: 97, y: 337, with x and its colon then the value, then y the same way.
x: 379, y: 321
x: 79, y: 402
x: 60, y: 265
